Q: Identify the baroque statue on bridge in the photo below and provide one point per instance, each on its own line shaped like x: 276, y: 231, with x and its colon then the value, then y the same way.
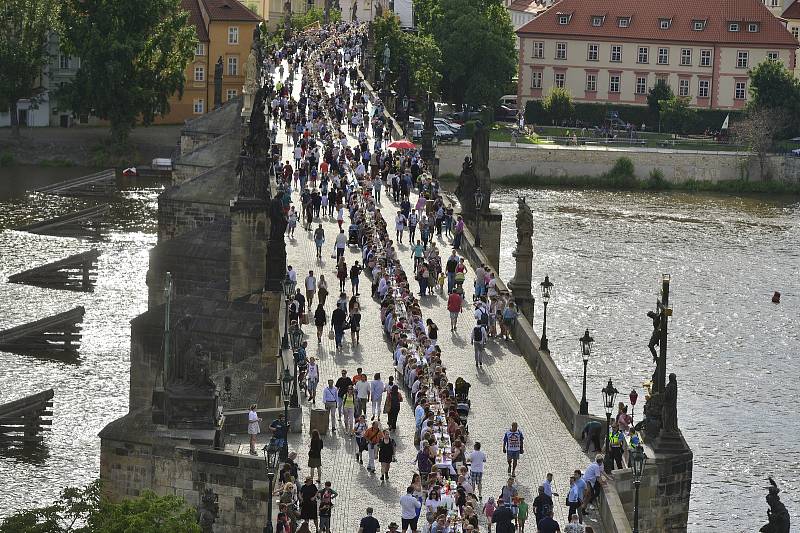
x: 777, y: 515
x: 524, y: 224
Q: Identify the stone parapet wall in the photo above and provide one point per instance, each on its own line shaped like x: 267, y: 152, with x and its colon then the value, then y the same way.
x: 176, y: 217
x: 677, y: 166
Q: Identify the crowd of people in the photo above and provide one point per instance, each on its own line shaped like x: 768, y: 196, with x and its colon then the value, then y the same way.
x: 340, y: 164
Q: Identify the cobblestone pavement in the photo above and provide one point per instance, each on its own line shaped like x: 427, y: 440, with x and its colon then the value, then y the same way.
x: 503, y: 391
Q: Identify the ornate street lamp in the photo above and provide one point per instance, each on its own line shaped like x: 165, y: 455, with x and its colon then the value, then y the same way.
x: 609, y: 395
x: 271, y: 462
x: 296, y: 338
x: 547, y: 289
x: 638, y: 459
x: 288, y: 290
x: 478, y: 209
x: 586, y: 350
x: 287, y: 386
x: 633, y: 396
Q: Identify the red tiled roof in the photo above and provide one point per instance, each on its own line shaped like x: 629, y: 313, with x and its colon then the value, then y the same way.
x: 196, y: 18
x: 793, y: 11
x: 229, y: 10
x: 646, y: 16
x: 530, y: 6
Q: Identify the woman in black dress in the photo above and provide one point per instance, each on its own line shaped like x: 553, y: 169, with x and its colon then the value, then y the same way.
x: 386, y: 448
x: 308, y: 502
x: 394, y: 400
x: 315, y: 455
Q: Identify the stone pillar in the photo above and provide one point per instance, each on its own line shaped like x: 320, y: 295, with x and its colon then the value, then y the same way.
x: 272, y: 315
x: 520, y: 284
x: 490, y: 225
x: 248, y: 247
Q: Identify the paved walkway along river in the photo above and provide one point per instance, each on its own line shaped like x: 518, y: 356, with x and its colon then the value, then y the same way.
x: 503, y: 391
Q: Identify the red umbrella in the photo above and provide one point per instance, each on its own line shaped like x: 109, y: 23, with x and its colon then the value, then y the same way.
x: 402, y: 144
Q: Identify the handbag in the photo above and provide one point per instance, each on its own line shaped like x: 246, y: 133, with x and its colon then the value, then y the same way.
x: 331, y: 335
x: 387, y: 405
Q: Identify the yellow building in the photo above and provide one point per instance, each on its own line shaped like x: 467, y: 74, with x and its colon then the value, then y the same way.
x: 224, y: 30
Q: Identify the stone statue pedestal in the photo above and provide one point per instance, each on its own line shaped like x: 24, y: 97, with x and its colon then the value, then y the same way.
x: 248, y: 247
x: 247, y: 106
x: 521, y: 291
x: 489, y: 222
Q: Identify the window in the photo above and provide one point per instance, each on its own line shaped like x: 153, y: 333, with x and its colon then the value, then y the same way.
x: 796, y: 32
x: 772, y: 55
x: 559, y: 79
x: 199, y: 106
x: 683, y: 87
x: 641, y: 85
x: 774, y: 3
x: 644, y: 52
x: 536, y: 80
x: 563, y: 19
x: 733, y: 26
x: 664, y: 24
x: 199, y: 73
x: 702, y: 88
x: 742, y: 58
x: 740, y: 90
x: 616, y: 53
x: 663, y: 56
x: 623, y: 22
x: 591, y: 82
x: 561, y: 50
x: 613, y: 83
x: 233, y: 34
x: 63, y: 62
x: 698, y: 25
x: 200, y: 50
x: 233, y: 65
x: 686, y: 56
x: 705, y: 58
x: 538, y: 49
x: 597, y: 21
x: 230, y: 94
x: 592, y: 52
x: 752, y: 27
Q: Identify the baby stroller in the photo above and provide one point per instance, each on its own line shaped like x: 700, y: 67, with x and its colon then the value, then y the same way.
x: 463, y: 403
x: 352, y: 234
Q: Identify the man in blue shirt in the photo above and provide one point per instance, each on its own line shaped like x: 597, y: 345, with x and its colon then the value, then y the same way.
x: 513, y: 447
x: 369, y: 524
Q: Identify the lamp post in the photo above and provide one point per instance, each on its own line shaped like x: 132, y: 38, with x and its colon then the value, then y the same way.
x: 586, y: 350
x: 547, y: 288
x: 633, y: 396
x: 638, y: 459
x: 609, y: 394
x: 288, y: 289
x: 287, y: 385
x: 271, y: 462
x: 295, y: 337
x: 478, y: 208
x: 404, y: 106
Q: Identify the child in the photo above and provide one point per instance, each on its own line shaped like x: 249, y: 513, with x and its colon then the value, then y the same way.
x: 522, y: 514
x: 488, y: 511
x: 440, y: 281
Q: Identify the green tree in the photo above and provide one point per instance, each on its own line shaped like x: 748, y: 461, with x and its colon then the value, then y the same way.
x: 758, y: 130
x: 86, y: 511
x: 479, y: 54
x: 773, y: 86
x: 24, y: 29
x: 676, y: 114
x: 658, y: 92
x: 420, y: 51
x: 311, y: 16
x: 133, y: 56
x: 558, y: 104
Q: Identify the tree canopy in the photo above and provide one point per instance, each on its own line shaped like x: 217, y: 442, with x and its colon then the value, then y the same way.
x: 677, y: 114
x: 133, y: 56
x: 558, y: 104
x: 773, y: 86
x: 24, y: 29
x: 659, y: 92
x: 87, y: 511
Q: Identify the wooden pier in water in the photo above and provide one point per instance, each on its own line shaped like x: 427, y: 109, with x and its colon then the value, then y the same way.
x: 56, y: 334
x: 86, y: 222
x: 22, y: 421
x: 75, y: 273
x: 103, y: 183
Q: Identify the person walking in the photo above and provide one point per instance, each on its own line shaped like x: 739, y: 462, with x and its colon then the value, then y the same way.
x: 376, y: 389
x: 355, y: 272
x: 513, y: 447
x: 320, y: 318
x: 355, y: 326
x: 341, y: 244
x: 369, y: 524
x: 361, y: 442
x: 372, y: 436
x: 503, y: 517
x: 548, y: 523
x: 541, y: 504
x: 330, y: 394
x: 315, y: 455
x: 326, y: 497
x: 394, y: 398
x: 308, y: 501
x: 478, y: 341
x: 253, y: 427
x: 322, y: 289
x: 454, y: 306
x: 450, y: 269
x: 319, y: 240
x: 312, y: 377
x: 338, y: 318
x: 386, y: 448
x: 362, y: 394
x: 409, y: 510
x: 342, y: 384
x: 348, y: 408
x: 311, y: 288
x: 477, y: 460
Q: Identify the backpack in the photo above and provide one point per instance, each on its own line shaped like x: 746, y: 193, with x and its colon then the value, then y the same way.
x: 484, y: 319
x: 477, y: 334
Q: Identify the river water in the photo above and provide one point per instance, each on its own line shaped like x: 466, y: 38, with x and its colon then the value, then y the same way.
x: 735, y: 353
x: 93, y: 390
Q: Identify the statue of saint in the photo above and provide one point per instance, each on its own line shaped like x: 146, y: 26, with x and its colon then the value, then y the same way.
x: 480, y: 162
x: 251, y: 82
x: 669, y: 416
x: 277, y: 217
x: 430, y: 112
x: 387, y: 55
x: 180, y: 351
x: 354, y: 11
x: 218, y: 83
x: 777, y: 515
x: 524, y: 224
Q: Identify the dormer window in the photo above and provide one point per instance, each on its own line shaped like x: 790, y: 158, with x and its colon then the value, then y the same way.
x: 699, y: 25
x: 563, y: 19
x: 623, y: 22
x: 664, y: 24
x: 733, y: 26
x: 752, y: 27
x: 597, y: 21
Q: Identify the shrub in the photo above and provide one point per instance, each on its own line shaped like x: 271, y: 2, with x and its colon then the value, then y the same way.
x: 6, y: 159
x: 622, y: 174
x: 657, y: 180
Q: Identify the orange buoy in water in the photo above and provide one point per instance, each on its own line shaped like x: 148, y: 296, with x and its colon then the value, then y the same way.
x: 776, y: 298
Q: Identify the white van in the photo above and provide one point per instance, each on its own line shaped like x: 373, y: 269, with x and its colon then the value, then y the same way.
x: 509, y: 100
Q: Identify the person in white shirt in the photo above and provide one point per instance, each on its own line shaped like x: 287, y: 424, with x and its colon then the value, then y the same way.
x: 362, y: 395
x: 477, y: 459
x: 409, y: 509
x: 592, y: 476
x: 311, y: 288
x: 313, y: 380
x: 341, y: 244
x: 330, y: 396
x: 291, y: 274
x: 376, y: 389
x: 548, y: 486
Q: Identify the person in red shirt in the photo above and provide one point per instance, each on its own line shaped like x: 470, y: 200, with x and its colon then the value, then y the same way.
x: 454, y: 303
